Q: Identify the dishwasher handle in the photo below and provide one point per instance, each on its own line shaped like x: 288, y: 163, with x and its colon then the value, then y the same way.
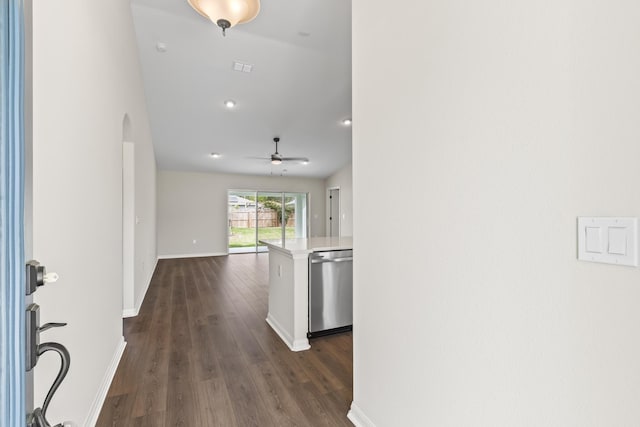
x: 323, y: 260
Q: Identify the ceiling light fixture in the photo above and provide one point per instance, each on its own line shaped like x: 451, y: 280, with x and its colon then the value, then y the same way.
x: 229, y: 103
x: 215, y: 155
x: 227, y: 13
x: 347, y: 122
x: 275, y: 161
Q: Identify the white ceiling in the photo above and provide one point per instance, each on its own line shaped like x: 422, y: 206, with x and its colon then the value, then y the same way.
x: 299, y: 89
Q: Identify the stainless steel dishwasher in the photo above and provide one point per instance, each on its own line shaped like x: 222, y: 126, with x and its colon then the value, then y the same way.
x: 330, y: 292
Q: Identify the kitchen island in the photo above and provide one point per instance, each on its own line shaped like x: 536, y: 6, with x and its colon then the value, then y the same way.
x: 289, y: 285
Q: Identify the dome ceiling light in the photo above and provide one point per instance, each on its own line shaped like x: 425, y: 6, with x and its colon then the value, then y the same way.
x: 227, y: 13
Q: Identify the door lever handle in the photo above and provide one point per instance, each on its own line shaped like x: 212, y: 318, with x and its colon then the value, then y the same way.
x: 47, y: 326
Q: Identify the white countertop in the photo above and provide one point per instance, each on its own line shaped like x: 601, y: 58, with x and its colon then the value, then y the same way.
x: 313, y: 244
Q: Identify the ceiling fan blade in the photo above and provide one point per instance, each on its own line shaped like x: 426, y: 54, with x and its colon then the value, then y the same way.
x: 277, y: 158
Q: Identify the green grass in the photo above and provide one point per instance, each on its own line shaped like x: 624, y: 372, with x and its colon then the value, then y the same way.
x: 246, y: 237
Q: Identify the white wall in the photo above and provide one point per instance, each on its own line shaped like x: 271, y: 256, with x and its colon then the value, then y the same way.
x: 146, y: 254
x: 344, y: 180
x: 506, y: 121
x: 85, y: 79
x: 193, y: 206
x: 128, y: 225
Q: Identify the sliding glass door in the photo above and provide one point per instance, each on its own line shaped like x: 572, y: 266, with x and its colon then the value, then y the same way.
x: 295, y: 215
x: 242, y: 221
x: 270, y: 225
x: 259, y: 215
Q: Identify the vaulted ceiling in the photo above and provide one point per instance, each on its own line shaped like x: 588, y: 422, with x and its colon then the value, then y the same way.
x: 299, y: 87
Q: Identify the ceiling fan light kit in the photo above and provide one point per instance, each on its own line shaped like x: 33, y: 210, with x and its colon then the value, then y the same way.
x: 277, y: 158
x: 227, y: 13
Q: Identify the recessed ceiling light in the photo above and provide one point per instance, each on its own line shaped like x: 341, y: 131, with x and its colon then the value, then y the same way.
x: 229, y: 103
x: 161, y: 47
x: 347, y: 122
x: 216, y: 155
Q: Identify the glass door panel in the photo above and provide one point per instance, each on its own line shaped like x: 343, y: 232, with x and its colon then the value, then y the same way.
x: 295, y: 213
x: 242, y: 221
x: 269, y: 218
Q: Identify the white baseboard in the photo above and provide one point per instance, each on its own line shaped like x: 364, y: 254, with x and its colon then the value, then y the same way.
x: 151, y: 273
x: 133, y: 312
x: 358, y: 418
x: 130, y: 312
x: 294, y: 345
x: 143, y: 293
x: 175, y: 256
x: 300, y: 345
x: 96, y: 406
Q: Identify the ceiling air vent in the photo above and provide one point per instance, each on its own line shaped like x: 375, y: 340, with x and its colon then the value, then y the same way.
x: 242, y: 67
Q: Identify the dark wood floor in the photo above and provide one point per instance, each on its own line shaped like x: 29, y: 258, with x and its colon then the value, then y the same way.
x: 201, y: 354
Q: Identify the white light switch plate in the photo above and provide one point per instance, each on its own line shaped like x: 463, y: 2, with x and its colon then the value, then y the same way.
x: 610, y: 240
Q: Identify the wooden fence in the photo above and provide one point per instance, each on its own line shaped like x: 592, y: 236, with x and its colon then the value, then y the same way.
x: 266, y: 218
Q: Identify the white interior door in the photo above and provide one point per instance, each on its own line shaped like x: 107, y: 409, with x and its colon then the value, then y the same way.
x: 334, y: 212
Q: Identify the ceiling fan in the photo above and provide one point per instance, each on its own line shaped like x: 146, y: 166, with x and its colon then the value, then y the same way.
x: 277, y: 158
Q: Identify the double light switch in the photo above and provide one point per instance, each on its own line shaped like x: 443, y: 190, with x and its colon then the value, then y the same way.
x: 611, y: 240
